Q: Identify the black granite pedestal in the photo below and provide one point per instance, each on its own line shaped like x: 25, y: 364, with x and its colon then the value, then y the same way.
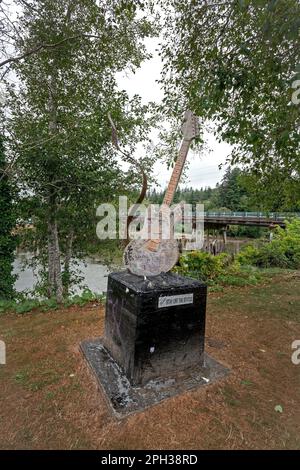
x: 153, y: 345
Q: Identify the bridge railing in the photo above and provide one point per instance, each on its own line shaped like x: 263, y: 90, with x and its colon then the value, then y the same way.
x: 247, y: 214
x: 275, y: 216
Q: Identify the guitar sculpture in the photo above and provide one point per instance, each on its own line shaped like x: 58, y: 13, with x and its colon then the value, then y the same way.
x: 156, y: 255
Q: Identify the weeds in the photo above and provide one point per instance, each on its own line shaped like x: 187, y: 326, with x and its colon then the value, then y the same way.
x: 24, y: 305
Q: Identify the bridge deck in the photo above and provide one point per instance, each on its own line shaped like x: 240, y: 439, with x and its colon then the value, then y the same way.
x: 221, y: 219
x: 250, y: 221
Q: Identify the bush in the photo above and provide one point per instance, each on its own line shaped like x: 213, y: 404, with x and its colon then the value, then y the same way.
x: 216, y: 271
x: 273, y: 255
x: 282, y: 252
x: 221, y: 270
x: 248, y: 255
x: 25, y: 305
x: 201, y: 265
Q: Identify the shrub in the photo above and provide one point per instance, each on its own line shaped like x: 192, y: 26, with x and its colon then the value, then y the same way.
x: 202, y: 265
x: 248, y: 255
x: 26, y: 305
x: 272, y: 254
x: 217, y: 271
x: 282, y: 252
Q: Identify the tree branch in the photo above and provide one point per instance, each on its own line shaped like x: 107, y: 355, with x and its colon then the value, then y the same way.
x: 38, y: 48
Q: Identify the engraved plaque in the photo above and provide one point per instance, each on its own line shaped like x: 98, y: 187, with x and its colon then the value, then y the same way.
x: 171, y: 300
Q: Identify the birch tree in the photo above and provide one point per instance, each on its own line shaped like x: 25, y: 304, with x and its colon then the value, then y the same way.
x: 66, y: 55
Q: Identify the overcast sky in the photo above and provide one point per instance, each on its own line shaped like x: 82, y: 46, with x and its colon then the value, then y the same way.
x: 203, y: 169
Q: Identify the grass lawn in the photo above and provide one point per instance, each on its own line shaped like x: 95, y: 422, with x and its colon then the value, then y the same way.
x: 49, y: 398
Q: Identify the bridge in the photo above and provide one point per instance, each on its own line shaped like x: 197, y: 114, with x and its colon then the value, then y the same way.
x: 221, y: 221
x: 258, y: 219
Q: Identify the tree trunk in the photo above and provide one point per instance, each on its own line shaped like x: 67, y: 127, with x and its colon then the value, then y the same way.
x: 54, y: 269
x: 68, y: 256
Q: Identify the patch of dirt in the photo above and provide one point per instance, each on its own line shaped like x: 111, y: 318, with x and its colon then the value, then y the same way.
x: 49, y: 397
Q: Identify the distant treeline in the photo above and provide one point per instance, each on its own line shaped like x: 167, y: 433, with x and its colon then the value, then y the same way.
x: 237, y: 191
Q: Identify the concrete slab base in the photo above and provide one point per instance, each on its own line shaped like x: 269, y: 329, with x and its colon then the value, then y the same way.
x: 125, y: 399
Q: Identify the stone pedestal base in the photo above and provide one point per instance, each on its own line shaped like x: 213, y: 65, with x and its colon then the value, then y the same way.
x: 154, y: 326
x: 125, y: 399
x: 153, y: 344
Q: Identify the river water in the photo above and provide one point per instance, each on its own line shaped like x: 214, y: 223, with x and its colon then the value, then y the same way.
x: 92, y: 270
x: 94, y: 274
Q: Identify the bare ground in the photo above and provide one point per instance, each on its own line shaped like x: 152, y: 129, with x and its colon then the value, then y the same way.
x: 49, y: 398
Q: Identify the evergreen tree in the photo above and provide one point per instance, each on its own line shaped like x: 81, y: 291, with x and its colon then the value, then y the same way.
x: 232, y: 193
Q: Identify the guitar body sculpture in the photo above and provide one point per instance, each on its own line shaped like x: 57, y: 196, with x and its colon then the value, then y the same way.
x: 142, y: 261
x: 158, y: 255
